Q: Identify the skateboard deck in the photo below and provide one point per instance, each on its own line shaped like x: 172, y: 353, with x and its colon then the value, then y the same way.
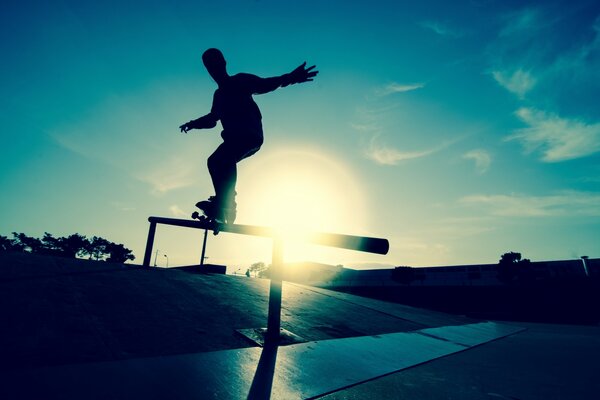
x: 210, y: 213
x: 210, y: 224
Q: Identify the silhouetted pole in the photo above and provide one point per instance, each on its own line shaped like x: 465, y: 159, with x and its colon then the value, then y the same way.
x: 149, y: 244
x: 350, y: 242
x: 274, y: 318
x: 203, y: 248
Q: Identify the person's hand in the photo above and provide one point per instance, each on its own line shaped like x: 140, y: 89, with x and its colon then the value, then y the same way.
x: 185, y: 127
x: 301, y: 74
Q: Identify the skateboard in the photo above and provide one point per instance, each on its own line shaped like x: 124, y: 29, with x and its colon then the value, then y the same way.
x: 207, y: 217
x: 211, y: 213
x: 211, y: 224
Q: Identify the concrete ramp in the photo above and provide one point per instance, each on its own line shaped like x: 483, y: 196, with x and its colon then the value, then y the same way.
x: 300, y: 371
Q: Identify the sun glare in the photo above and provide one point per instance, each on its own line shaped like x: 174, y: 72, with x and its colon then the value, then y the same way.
x: 300, y: 191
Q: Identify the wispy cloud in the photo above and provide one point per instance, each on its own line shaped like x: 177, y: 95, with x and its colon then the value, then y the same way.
x: 122, y: 206
x: 518, y: 82
x: 176, y: 211
x: 395, y: 87
x: 581, y: 63
x: 558, y: 139
x: 387, y: 155
x: 390, y: 156
x: 365, y: 127
x: 168, y: 176
x: 550, y: 58
x: 516, y: 22
x: 461, y: 227
x: 482, y: 160
x: 381, y: 118
x: 563, y: 204
x: 121, y: 133
x: 441, y: 29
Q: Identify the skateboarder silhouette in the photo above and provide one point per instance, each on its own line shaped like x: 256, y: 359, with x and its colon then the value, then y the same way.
x: 242, y: 127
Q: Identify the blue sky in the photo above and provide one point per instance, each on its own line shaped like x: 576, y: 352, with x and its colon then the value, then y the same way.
x: 458, y: 130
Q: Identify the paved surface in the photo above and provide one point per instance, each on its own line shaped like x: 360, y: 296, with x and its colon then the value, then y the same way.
x: 68, y: 324
x: 59, y: 311
x: 545, y: 362
x: 297, y: 371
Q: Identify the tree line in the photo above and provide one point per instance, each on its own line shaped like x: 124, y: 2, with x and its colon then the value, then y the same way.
x: 72, y: 246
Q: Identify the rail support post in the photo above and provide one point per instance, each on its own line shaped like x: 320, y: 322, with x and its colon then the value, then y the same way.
x: 202, y: 257
x: 149, y: 244
x: 274, y: 317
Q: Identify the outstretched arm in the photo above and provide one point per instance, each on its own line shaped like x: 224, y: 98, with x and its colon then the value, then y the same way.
x: 298, y: 75
x: 206, y: 122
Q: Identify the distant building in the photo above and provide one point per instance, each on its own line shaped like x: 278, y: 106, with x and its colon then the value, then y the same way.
x: 457, y: 275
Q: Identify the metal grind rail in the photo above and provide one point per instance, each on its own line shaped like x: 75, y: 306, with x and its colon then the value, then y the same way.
x: 350, y: 242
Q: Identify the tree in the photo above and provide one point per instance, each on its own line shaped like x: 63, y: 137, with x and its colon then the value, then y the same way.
x: 50, y: 245
x: 118, y: 253
x: 7, y: 244
x: 27, y: 244
x: 72, y: 246
x: 257, y: 268
x: 96, y: 248
x: 265, y: 273
x: 512, y: 267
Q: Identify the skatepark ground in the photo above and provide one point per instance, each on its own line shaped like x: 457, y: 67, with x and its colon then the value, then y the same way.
x: 84, y: 329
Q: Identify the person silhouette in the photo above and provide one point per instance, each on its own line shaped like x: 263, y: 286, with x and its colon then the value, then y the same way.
x: 241, y: 121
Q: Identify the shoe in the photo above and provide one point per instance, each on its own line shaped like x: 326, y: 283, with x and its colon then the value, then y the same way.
x: 213, y: 211
x: 208, y: 207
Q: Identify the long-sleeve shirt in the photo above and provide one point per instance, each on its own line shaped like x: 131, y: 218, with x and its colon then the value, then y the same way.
x: 234, y: 106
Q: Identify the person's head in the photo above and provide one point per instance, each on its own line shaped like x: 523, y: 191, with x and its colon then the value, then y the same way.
x: 215, y: 64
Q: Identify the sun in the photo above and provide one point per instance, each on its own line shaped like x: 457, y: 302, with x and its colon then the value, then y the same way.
x: 300, y: 191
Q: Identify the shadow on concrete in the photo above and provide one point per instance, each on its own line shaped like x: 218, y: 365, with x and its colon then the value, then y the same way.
x: 263, y: 378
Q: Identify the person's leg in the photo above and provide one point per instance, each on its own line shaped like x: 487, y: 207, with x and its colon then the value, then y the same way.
x: 223, y: 172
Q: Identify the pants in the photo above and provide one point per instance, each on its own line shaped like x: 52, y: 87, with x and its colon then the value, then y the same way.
x: 223, y: 170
